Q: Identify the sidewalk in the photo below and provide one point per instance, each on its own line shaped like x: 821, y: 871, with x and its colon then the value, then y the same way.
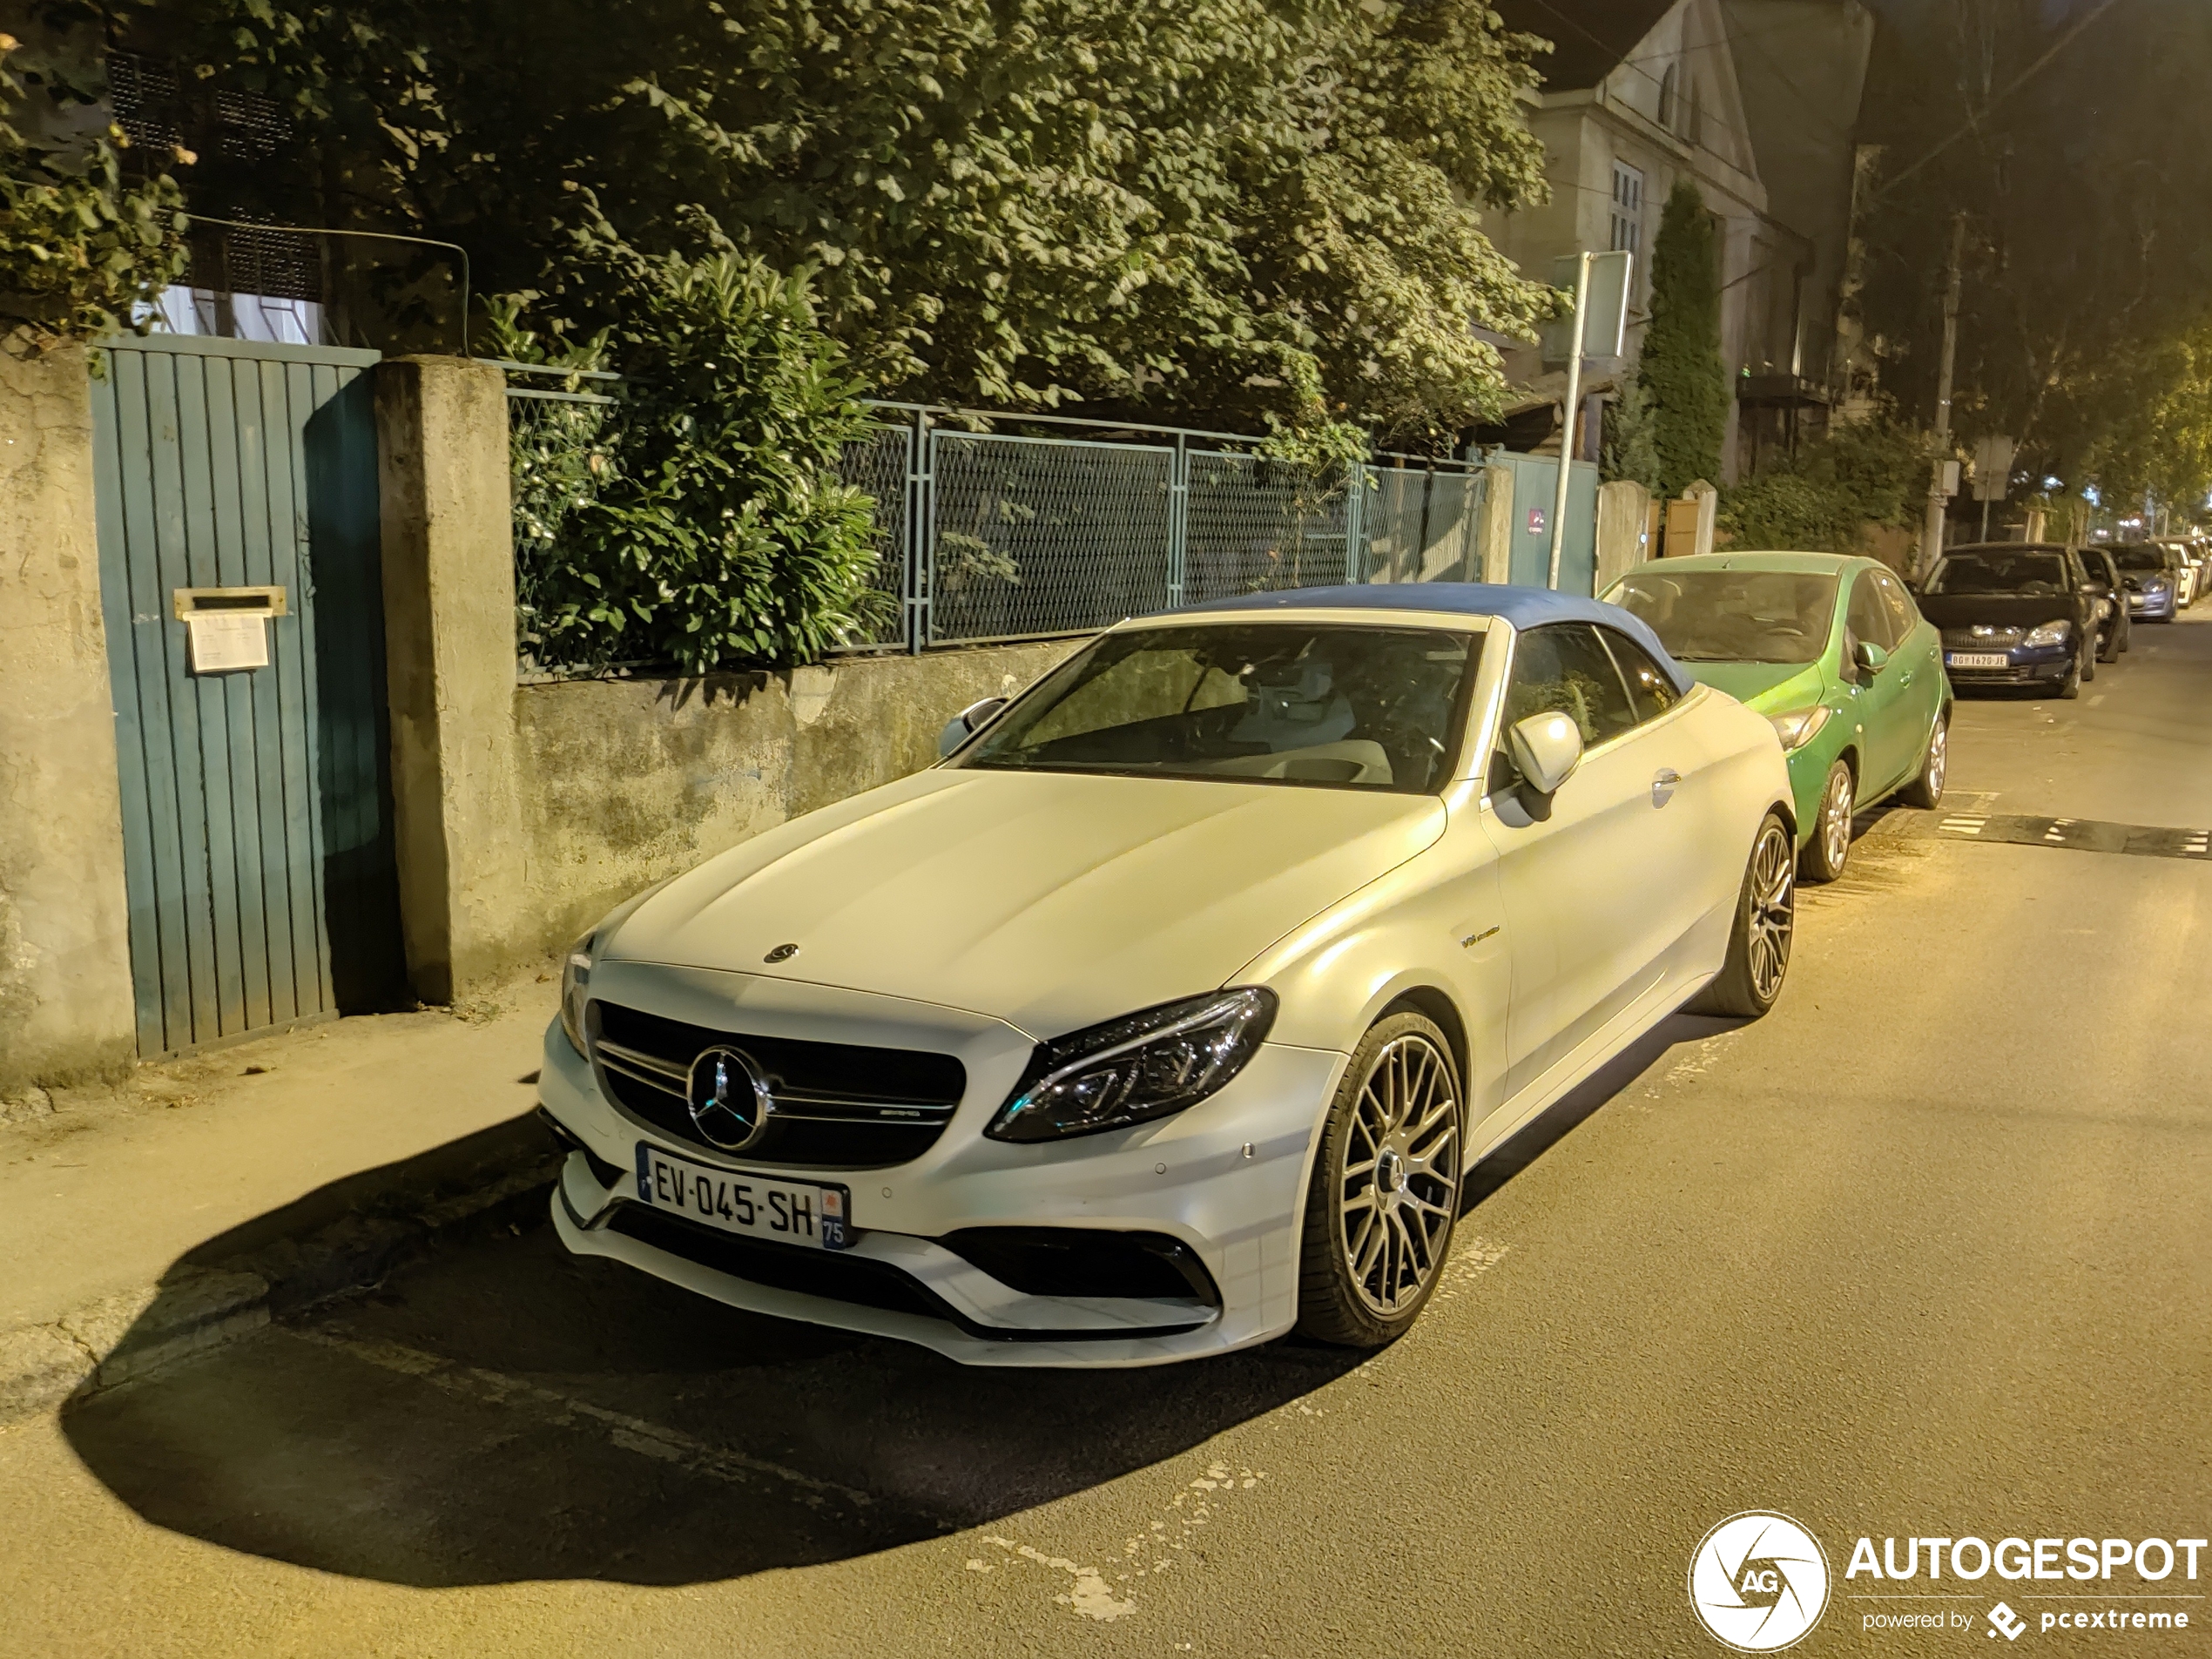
x: 167, y: 1213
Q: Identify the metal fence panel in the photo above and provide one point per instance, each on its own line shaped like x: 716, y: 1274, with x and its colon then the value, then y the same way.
x: 882, y: 464
x: 1032, y: 536
x: 1254, y: 527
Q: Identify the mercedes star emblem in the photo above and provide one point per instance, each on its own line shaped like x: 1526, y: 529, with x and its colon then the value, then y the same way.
x: 729, y: 1098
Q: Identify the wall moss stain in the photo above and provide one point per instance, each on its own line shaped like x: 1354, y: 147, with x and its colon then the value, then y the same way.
x: 625, y: 782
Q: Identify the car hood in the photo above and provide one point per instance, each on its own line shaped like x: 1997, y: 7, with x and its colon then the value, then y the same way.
x: 1770, y: 688
x: 1049, y: 900
x: 1999, y: 610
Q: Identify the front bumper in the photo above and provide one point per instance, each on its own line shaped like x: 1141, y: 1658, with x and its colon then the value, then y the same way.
x: 2161, y: 608
x: 1225, y: 1179
x: 2038, y: 665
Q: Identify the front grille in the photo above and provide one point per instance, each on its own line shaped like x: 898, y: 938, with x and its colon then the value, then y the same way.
x: 839, y: 1276
x: 1992, y: 639
x: 839, y: 1105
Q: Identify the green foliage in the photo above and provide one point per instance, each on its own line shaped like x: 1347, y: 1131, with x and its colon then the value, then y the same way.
x: 699, y: 522
x: 1681, y: 368
x: 1631, y: 437
x: 1825, y: 499
x: 1142, y: 204
x: 79, y: 246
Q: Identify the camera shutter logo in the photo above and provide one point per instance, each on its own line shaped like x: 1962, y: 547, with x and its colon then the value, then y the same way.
x: 1758, y: 1582
x: 729, y: 1098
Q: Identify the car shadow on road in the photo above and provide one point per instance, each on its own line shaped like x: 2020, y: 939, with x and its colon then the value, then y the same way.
x: 499, y: 1411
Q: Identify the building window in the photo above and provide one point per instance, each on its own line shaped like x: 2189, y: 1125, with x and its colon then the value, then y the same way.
x: 1669, y: 95
x: 1628, y: 209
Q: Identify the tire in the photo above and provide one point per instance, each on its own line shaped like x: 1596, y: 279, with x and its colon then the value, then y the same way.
x: 1829, y: 848
x: 1758, y: 945
x: 2070, y: 687
x: 1926, y: 790
x: 1398, y: 1115
x: 2088, y: 660
x: 2110, y: 652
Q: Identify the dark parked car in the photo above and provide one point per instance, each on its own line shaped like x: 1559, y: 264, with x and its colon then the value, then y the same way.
x: 2014, y: 613
x: 2152, y: 577
x: 2113, y: 623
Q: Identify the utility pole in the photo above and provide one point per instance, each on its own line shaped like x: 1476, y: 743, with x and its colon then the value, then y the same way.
x: 1932, y: 528
x: 1568, y: 410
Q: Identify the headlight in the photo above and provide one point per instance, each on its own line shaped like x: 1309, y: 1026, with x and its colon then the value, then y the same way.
x: 2156, y: 584
x: 1140, y: 1066
x: 1796, y: 728
x: 2050, y: 633
x: 575, y: 986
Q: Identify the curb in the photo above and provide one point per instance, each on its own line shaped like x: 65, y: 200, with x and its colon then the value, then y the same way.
x: 200, y: 1305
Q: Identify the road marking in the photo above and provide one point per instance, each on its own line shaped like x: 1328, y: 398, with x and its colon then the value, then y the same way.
x: 563, y: 1411
x: 2098, y: 698
x: 2083, y: 835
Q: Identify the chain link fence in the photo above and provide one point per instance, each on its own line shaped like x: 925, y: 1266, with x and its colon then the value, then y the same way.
x: 988, y: 534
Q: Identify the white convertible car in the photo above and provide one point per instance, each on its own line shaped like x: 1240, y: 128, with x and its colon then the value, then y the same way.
x: 1169, y: 1011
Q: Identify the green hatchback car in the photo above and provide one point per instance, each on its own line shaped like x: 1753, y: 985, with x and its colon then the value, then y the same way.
x: 1830, y: 648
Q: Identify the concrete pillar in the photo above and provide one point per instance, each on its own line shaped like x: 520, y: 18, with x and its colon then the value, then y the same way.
x: 450, y: 648
x: 1708, y: 501
x: 1495, y: 549
x: 1623, y: 511
x: 66, y: 1006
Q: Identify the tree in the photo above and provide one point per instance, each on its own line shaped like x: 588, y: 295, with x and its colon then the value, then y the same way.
x: 2077, y: 141
x: 1825, y: 496
x: 80, y: 246
x: 1140, y: 203
x: 1681, y: 368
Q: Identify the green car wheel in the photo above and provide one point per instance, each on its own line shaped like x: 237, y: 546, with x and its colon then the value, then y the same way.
x: 1829, y: 846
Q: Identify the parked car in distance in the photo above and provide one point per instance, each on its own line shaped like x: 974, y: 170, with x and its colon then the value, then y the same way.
x: 2150, y: 576
x: 2014, y: 614
x: 1171, y: 1010
x: 2113, y: 623
x: 1832, y: 651
x: 2184, y: 565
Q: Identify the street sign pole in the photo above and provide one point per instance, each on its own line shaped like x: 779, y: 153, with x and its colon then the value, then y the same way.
x: 1574, y: 395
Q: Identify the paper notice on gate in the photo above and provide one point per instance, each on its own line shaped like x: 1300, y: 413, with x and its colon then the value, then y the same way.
x: 222, y: 643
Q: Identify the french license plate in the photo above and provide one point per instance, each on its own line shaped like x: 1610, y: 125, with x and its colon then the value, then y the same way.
x: 1976, y: 659
x: 790, y: 1212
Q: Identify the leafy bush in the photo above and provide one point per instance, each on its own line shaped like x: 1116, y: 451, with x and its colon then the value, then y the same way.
x: 700, y: 521
x: 1824, y: 498
x: 79, y: 249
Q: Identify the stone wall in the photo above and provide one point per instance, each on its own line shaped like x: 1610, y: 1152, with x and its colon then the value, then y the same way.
x: 65, y: 1007
x: 623, y: 782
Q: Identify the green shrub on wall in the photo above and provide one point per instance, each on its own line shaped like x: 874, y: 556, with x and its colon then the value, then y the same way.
x: 1826, y: 497
x: 701, y: 521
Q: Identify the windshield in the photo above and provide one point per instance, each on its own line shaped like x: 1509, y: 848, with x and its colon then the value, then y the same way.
x: 1732, y: 615
x: 2000, y: 573
x: 1333, y: 704
x: 2138, y: 558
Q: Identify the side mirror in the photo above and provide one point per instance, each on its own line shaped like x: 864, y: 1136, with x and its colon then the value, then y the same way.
x: 1869, y: 656
x: 1547, y: 748
x: 966, y: 724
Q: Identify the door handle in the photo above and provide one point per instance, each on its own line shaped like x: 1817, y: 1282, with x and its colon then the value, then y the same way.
x: 1662, y: 785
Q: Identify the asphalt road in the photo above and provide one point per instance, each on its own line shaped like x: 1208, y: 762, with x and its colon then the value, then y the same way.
x: 1927, y: 1252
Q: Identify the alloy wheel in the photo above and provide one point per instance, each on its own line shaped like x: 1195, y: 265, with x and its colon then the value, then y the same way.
x: 1938, y: 749
x: 1774, y: 911
x: 1399, y: 1186
x: 1835, y: 820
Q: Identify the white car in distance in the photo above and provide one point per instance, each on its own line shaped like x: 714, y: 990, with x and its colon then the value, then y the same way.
x: 1169, y: 1011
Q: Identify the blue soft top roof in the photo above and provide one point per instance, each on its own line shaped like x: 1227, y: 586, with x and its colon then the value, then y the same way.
x: 1523, y: 607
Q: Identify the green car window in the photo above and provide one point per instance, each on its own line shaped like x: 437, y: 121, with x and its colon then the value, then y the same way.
x: 1733, y: 616
x: 1868, y: 617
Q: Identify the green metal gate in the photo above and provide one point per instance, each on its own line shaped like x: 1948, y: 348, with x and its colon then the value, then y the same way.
x: 237, y: 482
